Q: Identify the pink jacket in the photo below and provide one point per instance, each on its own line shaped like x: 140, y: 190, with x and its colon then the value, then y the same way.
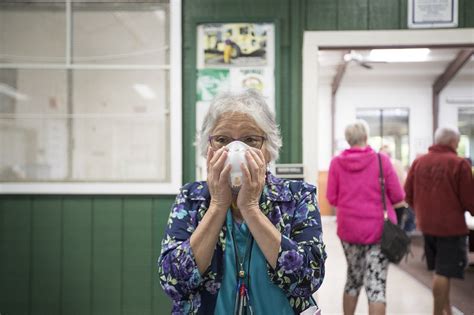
x: 354, y: 188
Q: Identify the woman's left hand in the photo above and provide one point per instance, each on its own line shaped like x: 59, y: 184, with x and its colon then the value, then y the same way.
x: 253, y: 181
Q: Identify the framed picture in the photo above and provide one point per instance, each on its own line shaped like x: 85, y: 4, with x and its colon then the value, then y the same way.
x: 432, y: 13
x: 235, y: 56
x: 235, y: 45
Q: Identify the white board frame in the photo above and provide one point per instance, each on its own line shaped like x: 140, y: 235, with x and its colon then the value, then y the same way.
x: 170, y: 187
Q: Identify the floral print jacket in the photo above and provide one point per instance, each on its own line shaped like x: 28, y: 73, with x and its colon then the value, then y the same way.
x: 290, y: 205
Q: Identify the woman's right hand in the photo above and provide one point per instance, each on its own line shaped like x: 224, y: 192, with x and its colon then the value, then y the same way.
x: 218, y: 178
x: 204, y: 238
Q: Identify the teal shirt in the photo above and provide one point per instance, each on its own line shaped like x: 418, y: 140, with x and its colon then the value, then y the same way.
x: 265, y: 297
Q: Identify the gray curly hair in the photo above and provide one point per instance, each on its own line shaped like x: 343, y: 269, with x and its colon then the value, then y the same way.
x: 445, y: 135
x: 249, y: 102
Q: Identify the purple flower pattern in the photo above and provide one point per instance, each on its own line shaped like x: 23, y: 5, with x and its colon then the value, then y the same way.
x: 275, y: 216
x: 290, y: 205
x: 290, y: 261
x: 212, y: 286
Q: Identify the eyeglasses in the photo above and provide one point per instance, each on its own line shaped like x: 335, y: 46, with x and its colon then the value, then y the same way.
x: 219, y: 141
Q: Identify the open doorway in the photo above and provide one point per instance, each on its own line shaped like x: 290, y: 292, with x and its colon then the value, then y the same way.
x: 372, y: 82
x: 365, y: 92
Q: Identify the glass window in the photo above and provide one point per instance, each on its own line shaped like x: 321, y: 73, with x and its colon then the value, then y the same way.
x: 34, y: 125
x: 85, y: 92
x: 120, y: 136
x: 32, y: 33
x: 120, y: 33
x: 389, y: 129
x: 466, y: 128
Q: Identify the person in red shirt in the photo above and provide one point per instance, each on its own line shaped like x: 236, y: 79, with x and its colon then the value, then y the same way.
x: 440, y: 187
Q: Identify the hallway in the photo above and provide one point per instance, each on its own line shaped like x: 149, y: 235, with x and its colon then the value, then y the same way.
x: 405, y: 295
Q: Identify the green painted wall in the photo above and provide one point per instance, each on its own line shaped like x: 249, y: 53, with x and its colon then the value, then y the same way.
x: 97, y: 254
x: 81, y: 255
x: 369, y: 14
x: 292, y: 17
x: 289, y: 31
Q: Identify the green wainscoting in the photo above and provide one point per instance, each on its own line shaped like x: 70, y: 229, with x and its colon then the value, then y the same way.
x: 81, y: 255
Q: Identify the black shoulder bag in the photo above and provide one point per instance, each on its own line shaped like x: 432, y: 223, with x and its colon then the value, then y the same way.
x: 395, y: 242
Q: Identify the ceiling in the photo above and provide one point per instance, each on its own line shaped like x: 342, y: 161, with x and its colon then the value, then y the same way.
x: 433, y: 65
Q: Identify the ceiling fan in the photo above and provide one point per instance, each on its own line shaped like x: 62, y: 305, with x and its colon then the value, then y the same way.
x: 359, y: 59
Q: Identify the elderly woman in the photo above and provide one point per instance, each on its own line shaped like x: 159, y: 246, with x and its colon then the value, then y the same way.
x: 354, y: 188
x: 255, y: 251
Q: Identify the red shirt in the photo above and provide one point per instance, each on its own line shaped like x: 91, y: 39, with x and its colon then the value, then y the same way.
x: 440, y: 188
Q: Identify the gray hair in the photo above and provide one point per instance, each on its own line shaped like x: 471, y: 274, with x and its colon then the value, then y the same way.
x: 445, y: 135
x: 357, y: 132
x: 249, y: 102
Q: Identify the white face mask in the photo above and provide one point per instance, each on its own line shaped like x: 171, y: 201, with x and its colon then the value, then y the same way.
x: 235, y: 157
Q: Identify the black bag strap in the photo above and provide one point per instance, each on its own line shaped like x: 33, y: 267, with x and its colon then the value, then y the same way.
x: 382, y: 185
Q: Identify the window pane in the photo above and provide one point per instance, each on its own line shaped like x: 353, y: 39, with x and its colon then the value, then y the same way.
x: 120, y: 33
x: 372, y: 117
x: 388, y: 127
x: 466, y: 128
x: 32, y: 33
x: 33, y: 125
x: 395, y: 133
x: 121, y: 125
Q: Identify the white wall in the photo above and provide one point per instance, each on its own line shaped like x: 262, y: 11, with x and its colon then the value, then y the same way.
x: 324, y: 127
x: 416, y: 96
x: 377, y: 94
x: 459, y: 93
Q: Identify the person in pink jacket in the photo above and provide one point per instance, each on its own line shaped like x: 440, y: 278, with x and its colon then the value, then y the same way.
x: 354, y: 189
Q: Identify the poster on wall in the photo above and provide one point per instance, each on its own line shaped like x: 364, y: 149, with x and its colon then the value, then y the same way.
x: 211, y: 82
x: 233, y: 57
x: 235, y: 45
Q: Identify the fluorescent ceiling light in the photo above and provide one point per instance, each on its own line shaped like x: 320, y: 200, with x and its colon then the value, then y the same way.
x: 399, y: 55
x: 144, y: 91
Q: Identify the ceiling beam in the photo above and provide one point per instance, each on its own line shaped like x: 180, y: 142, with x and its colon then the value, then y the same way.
x: 453, y: 68
x: 336, y: 82
x: 442, y: 81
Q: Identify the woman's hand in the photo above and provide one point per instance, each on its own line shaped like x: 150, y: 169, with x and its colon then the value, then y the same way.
x: 218, y: 178
x: 253, y: 181
x: 204, y: 239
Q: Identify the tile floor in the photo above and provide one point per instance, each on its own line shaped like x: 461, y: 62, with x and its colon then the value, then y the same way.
x: 405, y: 295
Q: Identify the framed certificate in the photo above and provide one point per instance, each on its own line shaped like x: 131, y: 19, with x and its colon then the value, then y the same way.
x: 432, y: 13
